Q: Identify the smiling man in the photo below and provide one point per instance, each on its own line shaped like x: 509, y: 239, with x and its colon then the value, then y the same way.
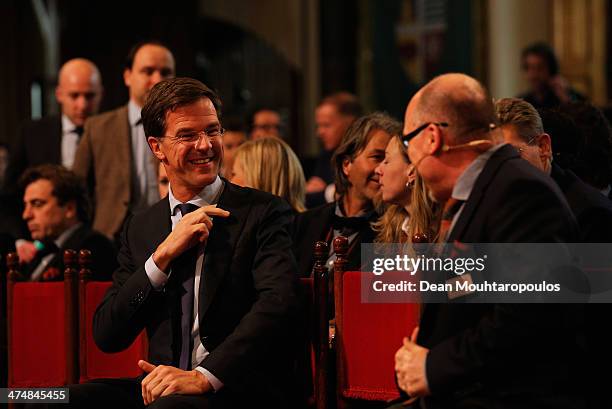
x: 361, y: 150
x: 216, y: 297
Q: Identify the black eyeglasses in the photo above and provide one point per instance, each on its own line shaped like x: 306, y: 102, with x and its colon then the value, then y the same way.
x: 406, y: 138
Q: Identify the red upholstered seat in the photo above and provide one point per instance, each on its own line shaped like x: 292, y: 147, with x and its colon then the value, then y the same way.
x: 95, y: 363
x: 38, y: 335
x: 371, y: 335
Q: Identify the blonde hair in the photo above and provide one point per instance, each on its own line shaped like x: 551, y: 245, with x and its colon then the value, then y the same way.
x: 423, y: 218
x: 270, y: 165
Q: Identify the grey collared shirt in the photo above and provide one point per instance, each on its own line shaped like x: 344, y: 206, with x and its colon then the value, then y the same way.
x: 144, y: 191
x: 207, y: 196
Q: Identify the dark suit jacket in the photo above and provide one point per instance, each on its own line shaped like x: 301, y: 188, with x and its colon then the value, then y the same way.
x: 103, y: 260
x: 314, y: 225
x: 104, y: 160
x: 506, y: 355
x: 593, y: 210
x: 247, y: 296
x: 40, y: 142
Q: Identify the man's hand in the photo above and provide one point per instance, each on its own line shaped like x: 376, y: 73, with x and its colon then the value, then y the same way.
x: 26, y: 250
x: 410, y: 367
x: 165, y: 380
x: 192, y: 229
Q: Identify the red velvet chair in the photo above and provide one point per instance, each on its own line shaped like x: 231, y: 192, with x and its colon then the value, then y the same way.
x: 93, y: 362
x: 41, y: 319
x: 367, y: 337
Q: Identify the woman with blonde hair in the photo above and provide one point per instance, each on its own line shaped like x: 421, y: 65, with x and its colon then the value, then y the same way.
x: 269, y: 164
x: 410, y: 215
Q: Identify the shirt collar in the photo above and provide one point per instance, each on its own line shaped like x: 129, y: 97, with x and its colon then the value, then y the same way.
x: 67, y: 125
x: 209, y: 195
x: 59, y: 242
x: 465, y: 183
x: 133, y: 113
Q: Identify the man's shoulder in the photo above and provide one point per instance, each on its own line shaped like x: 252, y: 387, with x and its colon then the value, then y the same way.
x: 108, y: 118
x: 85, y: 235
x: 316, y: 212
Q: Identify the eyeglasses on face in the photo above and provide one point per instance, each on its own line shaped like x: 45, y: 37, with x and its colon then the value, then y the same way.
x: 188, y: 137
x: 407, y: 137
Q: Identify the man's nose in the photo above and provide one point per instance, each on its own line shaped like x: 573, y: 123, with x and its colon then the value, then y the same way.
x: 203, y: 143
x: 156, y: 77
x: 27, y: 213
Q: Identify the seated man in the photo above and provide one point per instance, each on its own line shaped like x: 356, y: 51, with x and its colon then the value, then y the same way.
x: 217, y: 299
x: 361, y: 150
x: 56, y: 211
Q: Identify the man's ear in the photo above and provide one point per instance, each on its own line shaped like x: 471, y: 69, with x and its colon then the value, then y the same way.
x: 127, y: 73
x: 155, y: 146
x: 346, y: 167
x: 71, y: 209
x: 434, y: 139
x: 545, y: 146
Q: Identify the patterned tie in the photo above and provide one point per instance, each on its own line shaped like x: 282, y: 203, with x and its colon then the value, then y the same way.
x: 451, y: 207
x: 186, y: 269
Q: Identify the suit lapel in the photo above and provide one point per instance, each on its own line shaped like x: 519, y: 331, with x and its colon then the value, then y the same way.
x: 220, y: 246
x: 122, y: 144
x: 482, y: 184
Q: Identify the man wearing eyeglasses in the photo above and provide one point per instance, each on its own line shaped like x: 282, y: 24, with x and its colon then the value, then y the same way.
x: 208, y: 271
x: 485, y: 355
x: 522, y: 127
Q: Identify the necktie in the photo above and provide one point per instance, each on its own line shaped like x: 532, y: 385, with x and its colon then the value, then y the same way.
x: 451, y: 207
x: 186, y: 269
x: 79, y: 131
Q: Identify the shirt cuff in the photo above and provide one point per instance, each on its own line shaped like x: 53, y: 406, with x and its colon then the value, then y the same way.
x: 157, y: 277
x: 214, y: 381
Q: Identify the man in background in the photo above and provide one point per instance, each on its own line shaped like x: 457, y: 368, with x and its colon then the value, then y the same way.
x: 113, y: 157
x: 56, y: 210
x: 333, y: 116
x: 547, y: 88
x: 54, y: 139
x: 265, y: 123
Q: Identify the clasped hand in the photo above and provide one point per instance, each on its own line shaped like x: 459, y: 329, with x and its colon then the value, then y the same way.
x: 410, y: 367
x: 165, y: 380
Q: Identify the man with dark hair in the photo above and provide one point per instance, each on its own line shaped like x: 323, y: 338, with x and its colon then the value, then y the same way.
x: 548, y: 88
x: 56, y: 210
x: 113, y: 156
x: 596, y: 152
x: 333, y: 116
x: 264, y: 123
x: 217, y: 298
x: 233, y: 137
x: 361, y: 150
x: 487, y: 355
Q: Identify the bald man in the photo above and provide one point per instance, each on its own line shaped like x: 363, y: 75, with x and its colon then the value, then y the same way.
x: 487, y: 355
x: 54, y: 139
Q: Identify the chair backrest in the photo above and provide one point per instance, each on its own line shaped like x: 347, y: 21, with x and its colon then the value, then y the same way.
x: 94, y: 363
x: 367, y: 336
x: 41, y: 319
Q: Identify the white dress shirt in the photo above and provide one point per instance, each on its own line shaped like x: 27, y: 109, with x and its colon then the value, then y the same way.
x: 209, y: 195
x: 70, y: 141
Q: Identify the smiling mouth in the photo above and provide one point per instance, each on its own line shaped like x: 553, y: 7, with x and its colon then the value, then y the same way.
x: 202, y: 161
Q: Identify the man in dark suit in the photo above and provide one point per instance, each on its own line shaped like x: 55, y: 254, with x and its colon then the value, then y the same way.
x: 361, y: 150
x: 487, y: 355
x: 56, y: 211
x: 113, y: 156
x: 54, y: 139
x: 522, y: 127
x: 217, y: 298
